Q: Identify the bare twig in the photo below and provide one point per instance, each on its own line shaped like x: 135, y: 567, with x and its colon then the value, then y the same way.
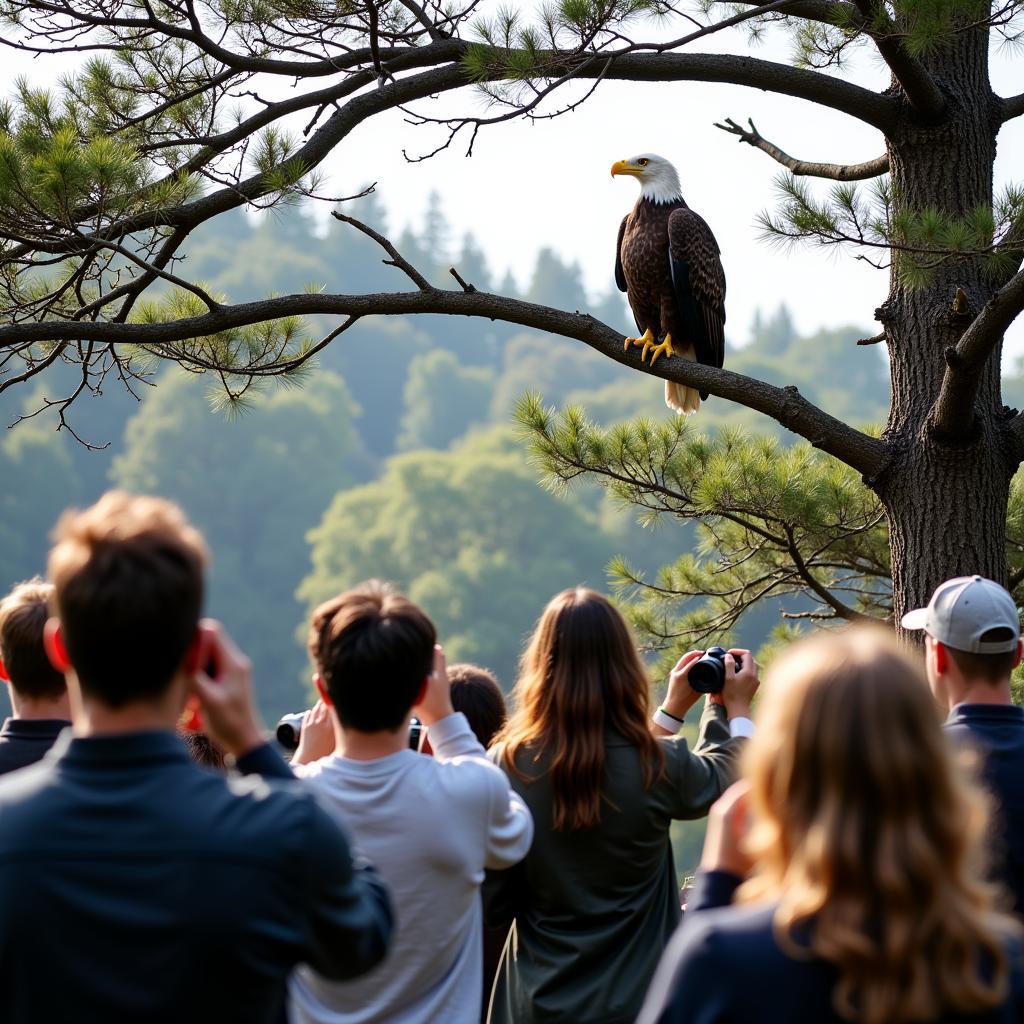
x: 805, y: 168
x: 468, y: 288
x: 397, y: 259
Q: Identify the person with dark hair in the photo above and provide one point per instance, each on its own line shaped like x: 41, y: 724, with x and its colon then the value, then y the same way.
x: 973, y: 644
x: 595, y: 901
x: 851, y: 854
x: 476, y: 693
x: 161, y: 892
x: 203, y: 750
x: 431, y: 825
x: 39, y: 698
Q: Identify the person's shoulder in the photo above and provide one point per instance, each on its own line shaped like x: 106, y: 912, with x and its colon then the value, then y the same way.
x: 749, y: 925
x: 467, y: 772
x: 712, y: 949
x: 268, y: 816
x: 26, y: 783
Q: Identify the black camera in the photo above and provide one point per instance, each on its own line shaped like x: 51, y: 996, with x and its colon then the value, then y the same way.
x: 708, y: 674
x: 289, y: 729
x: 415, y: 734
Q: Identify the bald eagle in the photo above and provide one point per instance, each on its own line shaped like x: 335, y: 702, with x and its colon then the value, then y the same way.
x: 667, y: 262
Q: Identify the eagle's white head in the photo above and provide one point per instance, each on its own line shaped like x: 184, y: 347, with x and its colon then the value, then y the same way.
x: 659, y: 181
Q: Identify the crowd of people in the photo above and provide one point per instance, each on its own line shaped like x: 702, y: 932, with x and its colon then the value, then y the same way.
x: 429, y: 856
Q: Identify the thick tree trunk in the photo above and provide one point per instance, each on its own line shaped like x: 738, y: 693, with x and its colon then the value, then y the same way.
x: 945, y: 497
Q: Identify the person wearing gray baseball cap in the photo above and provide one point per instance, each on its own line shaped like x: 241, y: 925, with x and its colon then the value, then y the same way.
x: 972, y: 645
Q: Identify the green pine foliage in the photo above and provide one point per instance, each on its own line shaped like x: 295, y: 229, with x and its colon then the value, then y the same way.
x: 775, y: 522
x: 917, y: 241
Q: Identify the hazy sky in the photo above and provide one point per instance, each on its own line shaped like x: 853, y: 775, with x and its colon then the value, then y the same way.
x: 529, y: 185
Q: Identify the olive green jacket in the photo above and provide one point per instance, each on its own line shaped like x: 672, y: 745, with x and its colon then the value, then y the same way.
x: 594, y: 909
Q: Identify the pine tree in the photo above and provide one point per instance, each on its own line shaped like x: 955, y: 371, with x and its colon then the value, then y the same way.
x: 166, y: 125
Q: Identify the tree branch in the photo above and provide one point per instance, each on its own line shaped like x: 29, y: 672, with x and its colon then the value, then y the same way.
x: 805, y: 168
x: 397, y: 259
x: 828, y: 12
x: 953, y: 413
x: 875, y: 109
x: 1012, y: 106
x: 824, y: 594
x: 918, y: 86
x: 786, y: 405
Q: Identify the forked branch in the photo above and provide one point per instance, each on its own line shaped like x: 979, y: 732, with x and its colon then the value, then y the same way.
x: 806, y: 168
x: 922, y: 93
x: 953, y: 414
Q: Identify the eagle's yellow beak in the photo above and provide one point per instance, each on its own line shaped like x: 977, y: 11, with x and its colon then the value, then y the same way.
x: 624, y: 167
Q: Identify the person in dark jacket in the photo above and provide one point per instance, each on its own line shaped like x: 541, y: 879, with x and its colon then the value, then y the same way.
x: 595, y: 900
x: 973, y: 644
x: 860, y: 841
x: 39, y: 698
x: 134, y: 885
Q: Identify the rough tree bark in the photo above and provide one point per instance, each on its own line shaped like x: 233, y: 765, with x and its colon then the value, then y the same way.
x: 944, y: 493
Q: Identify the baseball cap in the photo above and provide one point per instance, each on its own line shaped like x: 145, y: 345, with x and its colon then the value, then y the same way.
x: 962, y: 609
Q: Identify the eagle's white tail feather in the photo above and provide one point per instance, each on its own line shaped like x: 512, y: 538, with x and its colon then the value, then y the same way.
x: 681, y: 399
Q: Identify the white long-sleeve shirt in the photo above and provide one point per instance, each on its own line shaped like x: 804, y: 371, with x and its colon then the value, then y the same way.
x: 430, y: 826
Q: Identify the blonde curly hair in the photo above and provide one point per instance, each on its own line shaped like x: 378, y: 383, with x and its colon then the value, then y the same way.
x: 870, y: 836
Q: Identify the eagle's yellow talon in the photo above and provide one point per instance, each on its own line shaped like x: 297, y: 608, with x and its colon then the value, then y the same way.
x: 646, y: 339
x: 664, y: 349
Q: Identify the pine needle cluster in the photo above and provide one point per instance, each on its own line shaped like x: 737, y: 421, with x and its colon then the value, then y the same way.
x: 776, y: 523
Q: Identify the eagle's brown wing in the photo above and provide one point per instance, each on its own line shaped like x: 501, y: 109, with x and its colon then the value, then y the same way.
x: 698, y: 281
x: 620, y: 276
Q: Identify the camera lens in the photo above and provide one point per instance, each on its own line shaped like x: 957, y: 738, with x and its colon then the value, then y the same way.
x: 708, y: 674
x: 289, y: 729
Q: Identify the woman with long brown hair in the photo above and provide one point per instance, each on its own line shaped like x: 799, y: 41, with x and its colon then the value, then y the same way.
x: 596, y: 900
x: 863, y: 900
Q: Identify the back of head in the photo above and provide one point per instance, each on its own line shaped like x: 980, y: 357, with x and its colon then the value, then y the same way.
x: 204, y: 751
x: 579, y: 675
x: 866, y: 831
x: 476, y: 693
x: 988, y: 668
x: 23, y: 614
x: 128, y: 579
x: 374, y: 650
x: 977, y: 622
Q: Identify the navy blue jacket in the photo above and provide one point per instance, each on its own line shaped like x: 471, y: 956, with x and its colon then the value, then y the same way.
x: 136, y: 886
x: 996, y: 731
x: 723, y: 966
x: 23, y: 741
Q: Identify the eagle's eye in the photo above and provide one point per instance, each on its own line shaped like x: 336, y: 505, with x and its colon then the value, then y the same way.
x: 644, y: 162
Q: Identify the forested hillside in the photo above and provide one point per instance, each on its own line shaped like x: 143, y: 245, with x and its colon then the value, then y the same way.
x: 396, y: 457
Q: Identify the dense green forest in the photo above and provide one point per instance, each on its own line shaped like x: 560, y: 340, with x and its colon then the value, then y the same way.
x: 396, y: 457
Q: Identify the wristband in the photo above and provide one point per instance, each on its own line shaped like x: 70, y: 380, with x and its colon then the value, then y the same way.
x: 666, y: 721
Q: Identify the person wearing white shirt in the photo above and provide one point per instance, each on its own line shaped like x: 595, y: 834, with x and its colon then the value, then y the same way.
x: 431, y: 826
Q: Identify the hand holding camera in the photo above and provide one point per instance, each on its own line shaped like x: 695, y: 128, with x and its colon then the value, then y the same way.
x: 316, y: 735
x: 436, y: 702
x: 728, y: 677
x: 222, y: 681
x: 740, y: 683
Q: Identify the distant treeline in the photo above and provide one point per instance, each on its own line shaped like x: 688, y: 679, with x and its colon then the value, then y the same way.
x: 397, y: 456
